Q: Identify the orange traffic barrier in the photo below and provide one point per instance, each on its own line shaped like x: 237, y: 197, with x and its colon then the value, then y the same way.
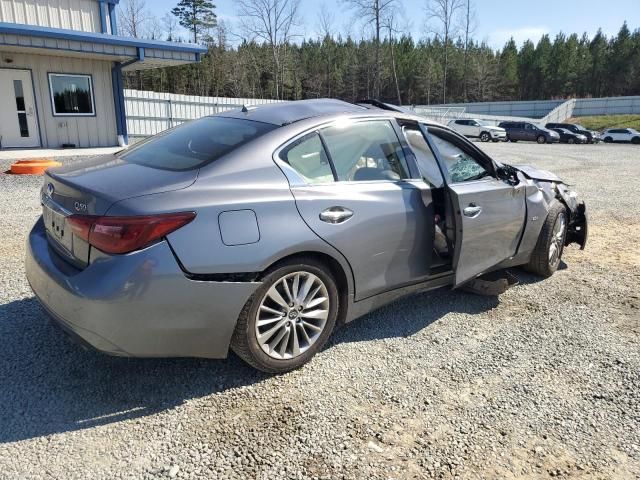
x: 33, y: 167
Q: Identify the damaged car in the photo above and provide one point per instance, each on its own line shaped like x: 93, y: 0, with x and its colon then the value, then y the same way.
x: 261, y: 230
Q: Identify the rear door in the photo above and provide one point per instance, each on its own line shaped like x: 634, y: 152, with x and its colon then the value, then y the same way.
x: 517, y: 131
x: 356, y: 189
x: 489, y: 213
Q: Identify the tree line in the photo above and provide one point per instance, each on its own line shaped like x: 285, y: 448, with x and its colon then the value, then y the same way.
x: 265, y: 56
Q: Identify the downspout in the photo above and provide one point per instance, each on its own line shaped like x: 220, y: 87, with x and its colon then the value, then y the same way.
x: 118, y: 97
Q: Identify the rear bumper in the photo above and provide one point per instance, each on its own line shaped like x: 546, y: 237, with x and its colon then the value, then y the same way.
x: 139, y: 304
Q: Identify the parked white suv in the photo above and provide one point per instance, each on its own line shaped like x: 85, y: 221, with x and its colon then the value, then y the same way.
x: 621, y: 135
x: 473, y: 128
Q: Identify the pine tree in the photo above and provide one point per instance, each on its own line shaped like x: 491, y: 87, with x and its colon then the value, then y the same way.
x: 196, y: 16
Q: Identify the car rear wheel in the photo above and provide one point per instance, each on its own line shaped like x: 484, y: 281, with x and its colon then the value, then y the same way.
x: 608, y: 140
x: 485, y: 137
x: 548, y: 252
x: 541, y: 139
x: 289, y: 318
x: 571, y: 140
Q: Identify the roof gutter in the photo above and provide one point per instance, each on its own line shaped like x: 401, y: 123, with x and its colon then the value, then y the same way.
x: 102, y: 38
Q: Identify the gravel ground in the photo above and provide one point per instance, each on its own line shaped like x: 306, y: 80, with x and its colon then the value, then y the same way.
x: 544, y: 381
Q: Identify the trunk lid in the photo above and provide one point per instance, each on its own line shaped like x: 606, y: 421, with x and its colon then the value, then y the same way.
x: 91, y: 188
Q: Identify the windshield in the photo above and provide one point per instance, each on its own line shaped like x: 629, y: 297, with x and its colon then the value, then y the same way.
x: 195, y: 144
x: 579, y: 126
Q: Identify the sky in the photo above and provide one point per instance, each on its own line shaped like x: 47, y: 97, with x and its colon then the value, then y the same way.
x: 496, y: 20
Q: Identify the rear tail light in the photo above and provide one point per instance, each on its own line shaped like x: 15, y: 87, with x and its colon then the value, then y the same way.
x: 126, y: 234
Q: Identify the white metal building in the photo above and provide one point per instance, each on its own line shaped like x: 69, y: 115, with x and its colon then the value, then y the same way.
x: 61, y: 64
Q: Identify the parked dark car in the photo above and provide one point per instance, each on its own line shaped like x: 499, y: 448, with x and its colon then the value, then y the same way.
x: 567, y: 136
x: 592, y: 137
x: 528, y: 132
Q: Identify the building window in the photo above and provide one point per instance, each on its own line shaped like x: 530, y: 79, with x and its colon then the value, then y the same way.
x: 71, y: 95
x: 20, y: 107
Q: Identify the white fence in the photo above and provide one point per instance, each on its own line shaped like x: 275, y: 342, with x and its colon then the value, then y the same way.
x: 523, y: 109
x: 586, y: 107
x: 149, y: 113
x: 583, y: 107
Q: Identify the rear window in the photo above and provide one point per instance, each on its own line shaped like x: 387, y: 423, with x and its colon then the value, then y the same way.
x: 195, y: 144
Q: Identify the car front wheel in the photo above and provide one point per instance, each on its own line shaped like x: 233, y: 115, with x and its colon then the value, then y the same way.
x: 548, y: 252
x: 541, y: 139
x: 635, y: 140
x: 485, y: 137
x: 289, y: 318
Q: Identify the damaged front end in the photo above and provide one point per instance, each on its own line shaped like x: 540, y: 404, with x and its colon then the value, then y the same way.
x: 552, y: 187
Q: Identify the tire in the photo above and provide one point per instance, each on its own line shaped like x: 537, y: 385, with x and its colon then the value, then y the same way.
x: 275, y: 355
x: 485, y: 137
x: 548, y: 252
x: 635, y: 140
x: 608, y: 140
x: 571, y: 141
x: 541, y: 139
x: 509, y: 139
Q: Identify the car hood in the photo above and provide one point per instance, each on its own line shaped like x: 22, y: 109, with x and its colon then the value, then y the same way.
x: 495, y: 129
x: 537, y: 174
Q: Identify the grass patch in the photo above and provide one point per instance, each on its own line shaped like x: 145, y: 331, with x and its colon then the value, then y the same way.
x: 608, y: 121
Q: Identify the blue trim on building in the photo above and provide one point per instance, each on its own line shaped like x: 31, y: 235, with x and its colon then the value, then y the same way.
x: 102, y: 38
x: 103, y: 17
x: 112, y: 2
x: 113, y: 19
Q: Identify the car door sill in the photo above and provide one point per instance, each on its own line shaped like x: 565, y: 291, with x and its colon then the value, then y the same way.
x: 366, y: 305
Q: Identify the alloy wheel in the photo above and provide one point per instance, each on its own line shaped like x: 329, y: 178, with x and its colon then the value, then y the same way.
x: 292, y: 315
x: 557, y: 241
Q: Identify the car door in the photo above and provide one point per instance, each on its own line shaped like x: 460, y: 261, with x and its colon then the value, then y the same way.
x: 530, y: 132
x: 490, y: 213
x: 462, y: 126
x: 517, y: 132
x: 357, y: 192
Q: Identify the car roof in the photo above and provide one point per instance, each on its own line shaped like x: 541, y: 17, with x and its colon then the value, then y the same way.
x: 285, y: 113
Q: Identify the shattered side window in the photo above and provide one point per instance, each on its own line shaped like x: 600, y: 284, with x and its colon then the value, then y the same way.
x: 461, y: 166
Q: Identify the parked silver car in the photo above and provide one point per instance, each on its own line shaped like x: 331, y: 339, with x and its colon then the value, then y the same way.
x: 262, y: 229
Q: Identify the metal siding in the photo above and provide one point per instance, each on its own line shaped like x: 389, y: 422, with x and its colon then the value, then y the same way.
x: 149, y: 113
x: 97, y: 131
x: 83, y: 15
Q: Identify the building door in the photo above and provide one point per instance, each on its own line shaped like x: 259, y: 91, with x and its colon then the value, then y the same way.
x: 18, y: 119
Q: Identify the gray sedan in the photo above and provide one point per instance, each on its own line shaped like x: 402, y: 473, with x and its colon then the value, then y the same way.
x: 263, y: 229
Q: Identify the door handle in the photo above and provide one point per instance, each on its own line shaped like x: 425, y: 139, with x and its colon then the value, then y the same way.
x: 472, y: 211
x: 336, y: 215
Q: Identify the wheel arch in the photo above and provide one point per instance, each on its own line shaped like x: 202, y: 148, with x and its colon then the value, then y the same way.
x: 340, y: 271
